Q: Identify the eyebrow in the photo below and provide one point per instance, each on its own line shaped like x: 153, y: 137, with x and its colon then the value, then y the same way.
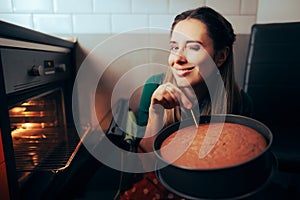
x: 188, y: 41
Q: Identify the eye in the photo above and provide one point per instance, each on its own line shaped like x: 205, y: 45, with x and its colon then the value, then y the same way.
x: 174, y: 48
x: 193, y: 46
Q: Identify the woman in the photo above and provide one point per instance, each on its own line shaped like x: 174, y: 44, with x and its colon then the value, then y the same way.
x: 200, y: 50
x: 194, y: 33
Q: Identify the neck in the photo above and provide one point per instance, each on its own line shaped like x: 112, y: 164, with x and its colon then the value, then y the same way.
x: 196, y: 93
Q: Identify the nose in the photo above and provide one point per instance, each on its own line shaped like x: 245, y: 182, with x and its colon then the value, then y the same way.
x: 180, y: 57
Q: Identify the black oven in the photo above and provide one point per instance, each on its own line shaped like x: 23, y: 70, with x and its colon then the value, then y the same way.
x: 38, y: 138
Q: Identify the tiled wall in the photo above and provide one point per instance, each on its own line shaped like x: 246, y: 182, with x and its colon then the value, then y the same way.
x: 71, y: 17
x: 280, y: 11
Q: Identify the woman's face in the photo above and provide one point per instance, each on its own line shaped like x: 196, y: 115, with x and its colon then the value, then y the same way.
x: 191, y: 52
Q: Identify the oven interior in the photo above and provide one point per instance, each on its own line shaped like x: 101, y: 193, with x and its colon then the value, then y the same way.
x: 39, y: 134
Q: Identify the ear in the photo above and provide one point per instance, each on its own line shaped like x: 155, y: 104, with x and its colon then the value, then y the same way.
x: 221, y: 56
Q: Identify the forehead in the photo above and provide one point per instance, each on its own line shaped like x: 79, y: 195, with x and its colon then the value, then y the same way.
x: 190, y: 29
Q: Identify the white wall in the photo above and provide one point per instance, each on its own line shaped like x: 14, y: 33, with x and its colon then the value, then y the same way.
x: 271, y: 11
x: 71, y: 17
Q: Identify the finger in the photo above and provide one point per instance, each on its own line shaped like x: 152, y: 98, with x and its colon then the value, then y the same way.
x: 173, y: 97
x: 166, y: 99
x: 161, y: 94
x: 169, y: 96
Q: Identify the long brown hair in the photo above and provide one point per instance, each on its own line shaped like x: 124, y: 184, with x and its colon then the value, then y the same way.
x: 222, y: 34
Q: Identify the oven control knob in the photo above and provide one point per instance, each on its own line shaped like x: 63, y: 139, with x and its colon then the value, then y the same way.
x: 36, y: 70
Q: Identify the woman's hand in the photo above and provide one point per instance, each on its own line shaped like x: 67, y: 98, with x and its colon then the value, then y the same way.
x: 169, y: 96
x: 166, y: 96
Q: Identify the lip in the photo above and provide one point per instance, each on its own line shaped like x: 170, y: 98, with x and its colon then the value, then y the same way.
x: 184, y: 71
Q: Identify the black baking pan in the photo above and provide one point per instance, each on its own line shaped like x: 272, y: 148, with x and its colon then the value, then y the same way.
x: 233, y: 182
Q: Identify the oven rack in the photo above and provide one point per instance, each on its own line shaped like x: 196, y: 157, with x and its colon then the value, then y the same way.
x: 38, y: 153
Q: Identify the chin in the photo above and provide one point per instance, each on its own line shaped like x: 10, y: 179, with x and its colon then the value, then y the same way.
x: 185, y: 82
x: 182, y: 82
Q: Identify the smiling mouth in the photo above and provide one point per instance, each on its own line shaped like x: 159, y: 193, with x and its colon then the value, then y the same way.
x: 185, y: 71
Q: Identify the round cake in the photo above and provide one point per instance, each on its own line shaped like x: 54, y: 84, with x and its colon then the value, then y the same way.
x: 227, y: 144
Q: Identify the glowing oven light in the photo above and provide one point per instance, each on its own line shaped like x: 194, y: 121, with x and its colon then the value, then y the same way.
x: 18, y: 109
x: 33, y: 125
x: 27, y: 125
x: 27, y: 103
x: 22, y: 129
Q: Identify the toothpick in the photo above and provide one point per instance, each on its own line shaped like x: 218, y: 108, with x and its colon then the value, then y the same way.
x: 194, y: 118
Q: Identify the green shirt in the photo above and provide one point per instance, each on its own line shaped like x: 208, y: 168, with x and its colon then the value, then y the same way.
x: 152, y: 84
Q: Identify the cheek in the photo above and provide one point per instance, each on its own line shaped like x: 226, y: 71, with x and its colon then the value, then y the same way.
x: 202, y: 58
x: 195, y: 59
x: 205, y: 65
x: 171, y: 60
